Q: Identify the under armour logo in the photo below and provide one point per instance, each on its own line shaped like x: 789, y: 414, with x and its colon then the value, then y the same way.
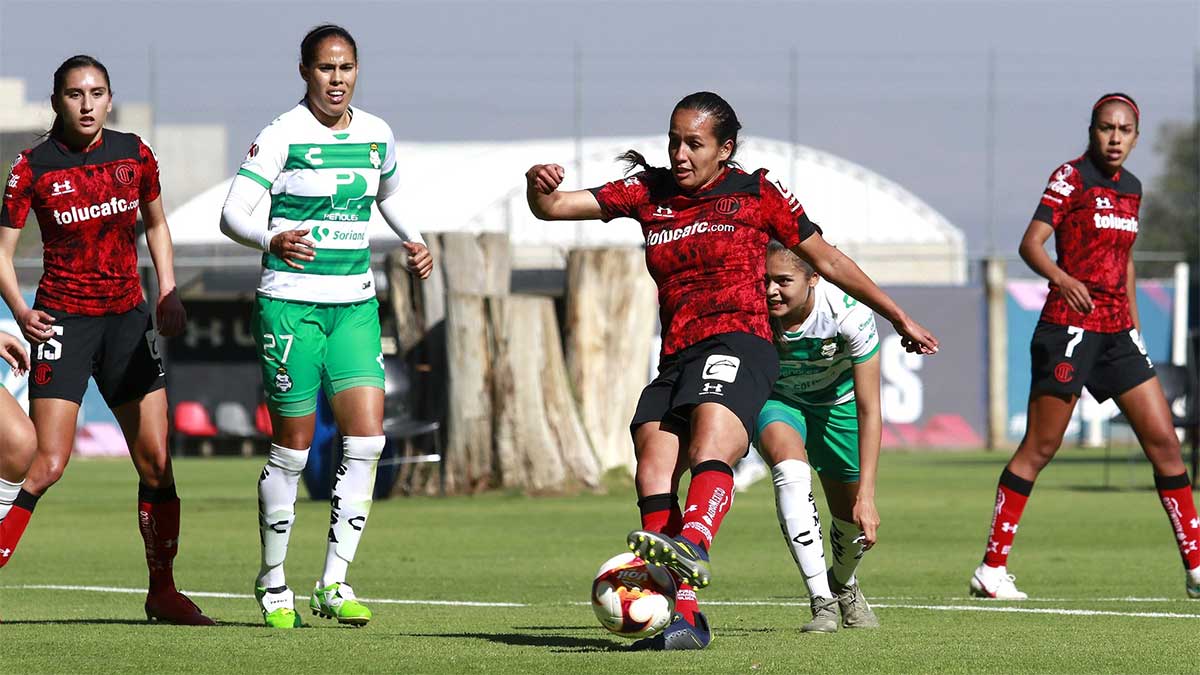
x: 664, y: 212
x: 5, y: 552
x: 1008, y: 527
x: 1195, y: 523
x: 1103, y: 203
x: 712, y: 388
x: 693, y: 507
x: 1189, y: 546
x: 993, y: 546
x: 61, y: 188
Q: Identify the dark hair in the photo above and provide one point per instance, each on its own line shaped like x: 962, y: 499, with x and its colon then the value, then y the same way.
x: 60, y: 82
x: 725, y: 126
x: 1117, y: 97
x: 308, y: 46
x: 774, y: 246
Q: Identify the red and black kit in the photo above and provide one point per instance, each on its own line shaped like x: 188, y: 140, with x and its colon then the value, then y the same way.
x: 86, y: 204
x: 707, y: 253
x: 1095, y: 221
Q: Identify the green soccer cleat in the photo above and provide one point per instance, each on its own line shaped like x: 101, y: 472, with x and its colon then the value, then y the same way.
x: 337, y: 601
x: 278, y: 606
x: 686, y: 561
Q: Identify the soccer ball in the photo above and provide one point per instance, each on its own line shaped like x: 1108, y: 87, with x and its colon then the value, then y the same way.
x: 631, y: 598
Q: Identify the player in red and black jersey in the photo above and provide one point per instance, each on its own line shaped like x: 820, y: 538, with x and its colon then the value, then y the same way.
x: 18, y: 440
x: 86, y: 186
x: 1088, y: 336
x: 707, y: 224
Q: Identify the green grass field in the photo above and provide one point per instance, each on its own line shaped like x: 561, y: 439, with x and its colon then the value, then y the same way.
x: 1101, y: 567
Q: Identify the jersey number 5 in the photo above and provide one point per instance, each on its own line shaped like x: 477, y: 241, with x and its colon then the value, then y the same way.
x: 50, y: 350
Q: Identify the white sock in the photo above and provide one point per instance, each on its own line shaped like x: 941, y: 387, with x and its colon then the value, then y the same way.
x: 353, y: 489
x: 277, y: 510
x: 846, y: 541
x: 8, y: 493
x: 797, y: 511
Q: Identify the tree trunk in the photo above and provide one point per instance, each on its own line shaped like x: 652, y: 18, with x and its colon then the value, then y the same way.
x: 610, y: 323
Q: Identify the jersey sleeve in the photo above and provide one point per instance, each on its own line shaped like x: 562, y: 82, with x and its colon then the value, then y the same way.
x: 18, y: 194
x: 857, y: 326
x: 265, y: 158
x: 150, y: 188
x: 389, y: 182
x: 621, y: 198
x: 782, y: 214
x: 1063, y: 189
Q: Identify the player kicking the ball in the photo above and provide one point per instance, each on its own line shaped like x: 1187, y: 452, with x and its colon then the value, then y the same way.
x: 824, y: 410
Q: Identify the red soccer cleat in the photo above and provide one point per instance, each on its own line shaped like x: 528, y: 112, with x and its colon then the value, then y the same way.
x: 175, y: 607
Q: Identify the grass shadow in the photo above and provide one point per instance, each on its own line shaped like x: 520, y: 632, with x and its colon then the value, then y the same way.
x: 555, y: 643
x: 115, y: 622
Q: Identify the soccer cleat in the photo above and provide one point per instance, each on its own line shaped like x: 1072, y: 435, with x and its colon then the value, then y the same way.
x: 825, y: 616
x: 337, y: 601
x: 278, y: 607
x: 686, y: 561
x: 1193, y: 583
x: 995, y: 582
x: 175, y: 607
x: 856, y: 612
x: 679, y: 635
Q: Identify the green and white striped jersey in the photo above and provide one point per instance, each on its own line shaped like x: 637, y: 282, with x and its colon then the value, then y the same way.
x: 816, y: 362
x: 323, y: 180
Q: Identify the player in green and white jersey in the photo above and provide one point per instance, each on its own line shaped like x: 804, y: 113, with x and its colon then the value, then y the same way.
x: 316, y: 319
x: 825, y: 410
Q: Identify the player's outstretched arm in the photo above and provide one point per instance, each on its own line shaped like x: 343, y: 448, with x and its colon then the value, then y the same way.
x: 838, y: 268
x: 870, y: 431
x: 547, y: 202
x: 172, y: 319
x: 1033, y: 252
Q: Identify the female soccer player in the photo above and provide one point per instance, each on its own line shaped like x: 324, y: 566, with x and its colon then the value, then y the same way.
x: 1088, y: 336
x: 707, y: 224
x: 825, y: 405
x: 316, y: 319
x: 86, y: 186
x: 18, y: 438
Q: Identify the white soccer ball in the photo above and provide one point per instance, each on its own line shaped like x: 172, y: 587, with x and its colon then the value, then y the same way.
x: 633, y: 599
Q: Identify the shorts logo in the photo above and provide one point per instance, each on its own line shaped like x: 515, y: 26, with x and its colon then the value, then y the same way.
x: 727, y: 206
x: 712, y: 389
x: 283, y: 381
x: 42, y: 374
x: 124, y: 174
x: 1064, y: 372
x: 722, y: 367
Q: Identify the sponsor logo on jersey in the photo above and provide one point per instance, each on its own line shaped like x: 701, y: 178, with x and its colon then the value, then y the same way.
x: 677, y: 233
x: 629, y: 182
x: 722, y: 367
x: 1111, y: 222
x: 1064, y: 372
x: 727, y: 206
x: 320, y: 234
x: 14, y: 180
x: 1103, y: 203
x: 253, y: 151
x: 62, y: 188
x: 351, y: 187
x: 1059, y: 183
x: 124, y: 174
x: 793, y: 203
x: 79, y: 214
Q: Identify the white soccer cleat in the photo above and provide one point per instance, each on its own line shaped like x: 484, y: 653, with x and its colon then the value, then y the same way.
x: 996, y: 583
x: 1193, y: 583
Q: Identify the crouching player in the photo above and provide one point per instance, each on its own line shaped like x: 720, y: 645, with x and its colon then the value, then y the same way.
x: 824, y: 410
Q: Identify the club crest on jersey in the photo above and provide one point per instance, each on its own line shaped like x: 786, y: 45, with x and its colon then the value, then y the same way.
x: 62, y: 188
x: 829, y: 347
x: 123, y: 174
x: 374, y: 156
x: 727, y: 206
x: 283, y: 381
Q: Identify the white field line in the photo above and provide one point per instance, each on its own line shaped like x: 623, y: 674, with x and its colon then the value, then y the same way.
x: 926, y: 598
x: 247, y: 596
x: 982, y: 606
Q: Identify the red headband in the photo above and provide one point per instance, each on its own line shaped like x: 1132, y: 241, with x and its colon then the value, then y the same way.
x: 1123, y: 99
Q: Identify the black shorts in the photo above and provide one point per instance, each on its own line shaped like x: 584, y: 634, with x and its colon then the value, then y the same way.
x: 119, y: 350
x: 736, y: 370
x: 1065, y: 359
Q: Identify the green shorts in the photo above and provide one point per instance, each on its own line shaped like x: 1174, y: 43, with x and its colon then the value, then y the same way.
x: 302, y: 346
x: 833, y: 444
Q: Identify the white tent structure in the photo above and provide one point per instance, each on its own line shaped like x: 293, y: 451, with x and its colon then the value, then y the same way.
x: 478, y: 187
